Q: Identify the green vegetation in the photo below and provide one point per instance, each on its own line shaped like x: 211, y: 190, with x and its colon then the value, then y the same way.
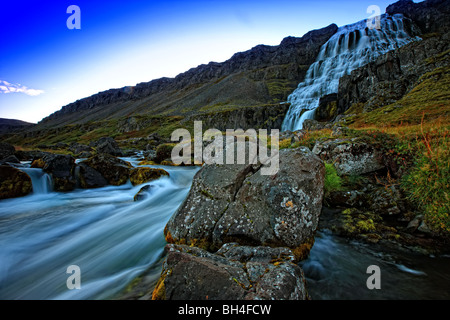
x: 431, y: 96
x: 279, y: 89
x: 428, y: 182
x: 333, y: 182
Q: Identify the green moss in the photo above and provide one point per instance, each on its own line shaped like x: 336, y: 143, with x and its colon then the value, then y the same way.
x: 284, y: 144
x: 279, y: 89
x: 164, y: 151
x: 333, y: 182
x: 143, y: 175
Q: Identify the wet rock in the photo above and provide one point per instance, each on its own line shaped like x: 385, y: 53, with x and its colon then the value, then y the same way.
x: 378, y: 199
x: 143, y: 193
x: 60, y: 167
x: 143, y: 175
x: 163, y: 152
x: 327, y: 109
x: 233, y: 273
x: 90, y: 178
x: 350, y: 157
x: 235, y: 203
x: 14, y: 183
x: 114, y: 170
x: 346, y: 199
x: 9, y: 159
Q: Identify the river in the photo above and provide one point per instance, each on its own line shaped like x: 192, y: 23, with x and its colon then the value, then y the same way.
x: 113, y: 239
x: 337, y: 270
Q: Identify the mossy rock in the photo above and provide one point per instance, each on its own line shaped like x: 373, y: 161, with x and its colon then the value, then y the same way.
x: 114, y: 170
x: 14, y: 183
x: 147, y: 163
x: 143, y: 175
x: 164, y: 152
x: 60, y: 167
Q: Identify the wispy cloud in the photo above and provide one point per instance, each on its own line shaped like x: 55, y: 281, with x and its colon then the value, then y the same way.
x: 6, y: 87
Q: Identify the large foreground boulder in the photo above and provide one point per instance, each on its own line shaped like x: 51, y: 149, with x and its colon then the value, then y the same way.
x: 233, y: 273
x: 14, y: 183
x: 60, y: 167
x: 235, y: 203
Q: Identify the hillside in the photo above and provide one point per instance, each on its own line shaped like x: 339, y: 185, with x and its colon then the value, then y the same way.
x: 260, y: 76
x: 11, y: 125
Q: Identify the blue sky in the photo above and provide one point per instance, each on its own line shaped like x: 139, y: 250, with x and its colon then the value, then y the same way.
x: 44, y: 65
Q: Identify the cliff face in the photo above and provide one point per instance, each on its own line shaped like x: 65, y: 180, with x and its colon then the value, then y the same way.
x: 430, y: 15
x: 396, y: 73
x: 262, y: 75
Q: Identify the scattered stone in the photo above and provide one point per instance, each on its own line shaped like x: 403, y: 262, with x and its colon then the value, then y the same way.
x: 107, y: 145
x: 314, y: 125
x: 79, y: 149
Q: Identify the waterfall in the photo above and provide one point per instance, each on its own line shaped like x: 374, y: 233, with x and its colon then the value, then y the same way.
x: 41, y: 181
x: 351, y: 47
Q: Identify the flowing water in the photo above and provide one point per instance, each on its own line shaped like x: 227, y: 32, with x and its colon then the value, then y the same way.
x: 350, y: 48
x: 103, y: 231
x: 114, y: 239
x: 337, y: 270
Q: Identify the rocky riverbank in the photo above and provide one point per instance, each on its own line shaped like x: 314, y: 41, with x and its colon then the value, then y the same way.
x: 239, y: 232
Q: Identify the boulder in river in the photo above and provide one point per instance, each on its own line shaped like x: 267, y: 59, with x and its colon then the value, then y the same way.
x: 60, y: 167
x: 233, y: 273
x: 143, y: 193
x: 235, y: 203
x: 90, y: 178
x: 14, y: 183
x: 142, y: 175
x: 114, y: 170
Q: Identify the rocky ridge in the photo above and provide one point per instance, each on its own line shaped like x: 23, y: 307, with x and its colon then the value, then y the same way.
x: 255, y: 77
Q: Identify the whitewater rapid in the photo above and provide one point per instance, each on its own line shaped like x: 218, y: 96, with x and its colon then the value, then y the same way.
x: 112, y: 238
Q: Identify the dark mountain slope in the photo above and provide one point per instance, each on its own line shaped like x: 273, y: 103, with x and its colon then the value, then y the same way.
x: 262, y: 75
x: 11, y: 125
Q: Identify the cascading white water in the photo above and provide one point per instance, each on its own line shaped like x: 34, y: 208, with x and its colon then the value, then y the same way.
x: 41, y: 181
x: 350, y: 48
x: 112, y: 238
